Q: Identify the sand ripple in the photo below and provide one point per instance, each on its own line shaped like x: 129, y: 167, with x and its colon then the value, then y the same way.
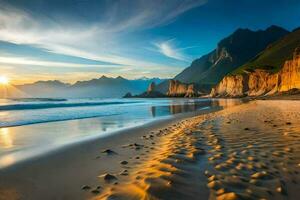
x: 248, y: 152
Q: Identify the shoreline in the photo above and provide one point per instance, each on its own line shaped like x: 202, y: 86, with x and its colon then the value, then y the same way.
x: 245, y: 151
x: 82, y: 160
x: 151, y: 125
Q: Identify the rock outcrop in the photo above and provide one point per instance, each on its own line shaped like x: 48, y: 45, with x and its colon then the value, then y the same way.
x: 150, y: 93
x: 175, y: 89
x: 151, y: 87
x: 235, y: 86
x: 127, y: 95
x: 178, y: 89
x: 261, y: 82
x: 190, y: 91
x: 290, y: 73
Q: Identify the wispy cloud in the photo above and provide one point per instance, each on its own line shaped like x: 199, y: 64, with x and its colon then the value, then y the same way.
x: 169, y: 49
x: 35, y: 62
x: 99, y: 40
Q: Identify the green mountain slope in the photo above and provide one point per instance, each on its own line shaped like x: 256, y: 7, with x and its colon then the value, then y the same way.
x: 274, y: 56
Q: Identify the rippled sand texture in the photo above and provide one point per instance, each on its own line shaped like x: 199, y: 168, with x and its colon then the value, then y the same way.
x: 250, y: 151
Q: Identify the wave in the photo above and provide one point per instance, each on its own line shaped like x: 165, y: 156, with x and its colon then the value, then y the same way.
x: 38, y: 99
x: 49, y: 119
x: 31, y: 106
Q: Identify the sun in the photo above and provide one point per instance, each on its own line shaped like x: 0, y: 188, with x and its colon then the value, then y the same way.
x: 4, y: 80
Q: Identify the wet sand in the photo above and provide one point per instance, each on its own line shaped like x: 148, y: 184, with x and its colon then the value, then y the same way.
x: 249, y: 151
x: 68, y: 172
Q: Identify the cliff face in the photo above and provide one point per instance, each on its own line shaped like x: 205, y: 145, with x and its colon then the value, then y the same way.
x: 261, y: 82
x: 150, y: 93
x: 151, y: 87
x: 290, y: 74
x: 230, y: 53
x: 190, y: 91
x: 178, y: 89
x: 231, y: 86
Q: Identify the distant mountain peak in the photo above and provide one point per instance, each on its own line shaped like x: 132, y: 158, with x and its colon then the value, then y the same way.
x: 272, y: 28
x: 120, y: 78
x: 296, y: 29
x: 143, y: 78
x: 241, y: 30
x: 104, y: 77
x: 276, y: 28
x: 51, y: 82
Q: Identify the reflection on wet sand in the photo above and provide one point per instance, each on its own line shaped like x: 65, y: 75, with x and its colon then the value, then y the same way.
x: 193, y: 105
x: 6, y: 139
x: 6, y: 142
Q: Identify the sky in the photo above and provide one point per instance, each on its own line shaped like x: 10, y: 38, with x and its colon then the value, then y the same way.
x: 74, y: 40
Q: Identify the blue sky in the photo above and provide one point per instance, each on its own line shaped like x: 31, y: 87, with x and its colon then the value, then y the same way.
x: 81, y: 39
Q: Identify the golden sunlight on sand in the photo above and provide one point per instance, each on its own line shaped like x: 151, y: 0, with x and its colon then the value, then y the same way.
x: 6, y: 140
x: 250, y: 151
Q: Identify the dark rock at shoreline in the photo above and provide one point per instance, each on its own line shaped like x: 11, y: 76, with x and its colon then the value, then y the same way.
x: 127, y: 95
x: 153, y: 94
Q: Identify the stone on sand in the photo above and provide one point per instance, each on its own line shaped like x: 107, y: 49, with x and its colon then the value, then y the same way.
x: 95, y: 191
x: 228, y: 196
x: 258, y: 175
x: 214, y: 185
x: 85, y: 187
x: 124, y: 172
x: 108, y: 177
x: 109, y: 152
x: 124, y: 162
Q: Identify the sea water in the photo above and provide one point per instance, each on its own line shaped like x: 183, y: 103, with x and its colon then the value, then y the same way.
x: 31, y: 127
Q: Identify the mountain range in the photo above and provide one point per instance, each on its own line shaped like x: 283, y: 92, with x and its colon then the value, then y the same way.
x: 227, y: 70
x: 231, y: 52
x: 103, y: 87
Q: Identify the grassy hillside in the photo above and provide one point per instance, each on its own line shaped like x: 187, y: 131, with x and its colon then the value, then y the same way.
x: 274, y: 56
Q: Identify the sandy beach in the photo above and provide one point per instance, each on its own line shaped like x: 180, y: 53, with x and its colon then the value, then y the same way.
x: 248, y: 151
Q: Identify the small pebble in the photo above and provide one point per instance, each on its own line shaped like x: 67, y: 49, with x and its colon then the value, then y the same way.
x: 95, y: 191
x: 85, y: 187
x: 109, y: 152
x: 108, y: 177
x: 124, y: 162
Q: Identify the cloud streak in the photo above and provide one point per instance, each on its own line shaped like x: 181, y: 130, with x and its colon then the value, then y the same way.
x: 167, y: 48
x: 100, y: 40
x: 29, y: 61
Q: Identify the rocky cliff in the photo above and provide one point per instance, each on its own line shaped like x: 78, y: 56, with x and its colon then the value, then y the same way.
x: 261, y: 82
x: 150, y: 93
x: 178, y: 89
x: 175, y: 89
x: 230, y: 53
x: 234, y: 86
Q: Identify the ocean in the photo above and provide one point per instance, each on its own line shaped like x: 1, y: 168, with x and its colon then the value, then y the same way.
x: 32, y: 127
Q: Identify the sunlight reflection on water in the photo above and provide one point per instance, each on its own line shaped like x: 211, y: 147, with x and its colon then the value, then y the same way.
x: 23, y: 142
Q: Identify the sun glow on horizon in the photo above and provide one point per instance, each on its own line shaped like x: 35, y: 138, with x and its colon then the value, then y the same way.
x: 4, y: 80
